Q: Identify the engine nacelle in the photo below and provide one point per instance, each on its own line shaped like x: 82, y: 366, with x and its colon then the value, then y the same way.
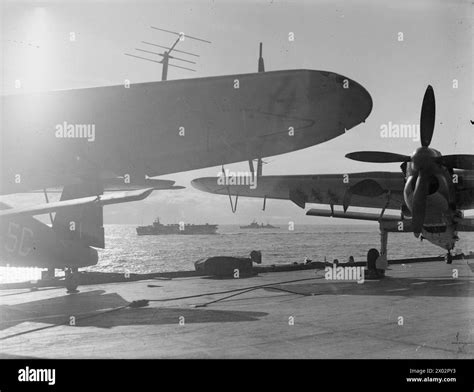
x: 439, y: 193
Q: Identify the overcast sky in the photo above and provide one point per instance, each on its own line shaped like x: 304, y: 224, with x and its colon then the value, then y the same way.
x: 359, y: 39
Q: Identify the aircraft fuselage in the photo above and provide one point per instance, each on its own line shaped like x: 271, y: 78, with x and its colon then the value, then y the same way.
x: 27, y: 242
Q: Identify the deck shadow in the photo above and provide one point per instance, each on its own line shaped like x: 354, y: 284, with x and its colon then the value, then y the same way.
x: 106, y: 310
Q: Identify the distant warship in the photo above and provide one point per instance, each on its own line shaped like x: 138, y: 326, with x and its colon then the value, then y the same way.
x: 158, y: 228
x: 255, y: 225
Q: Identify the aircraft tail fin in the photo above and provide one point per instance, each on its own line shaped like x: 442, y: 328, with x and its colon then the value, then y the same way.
x: 83, y: 223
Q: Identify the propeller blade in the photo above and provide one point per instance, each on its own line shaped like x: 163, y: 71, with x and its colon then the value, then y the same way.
x: 377, y: 157
x: 419, y: 202
x: 458, y: 161
x: 428, y: 114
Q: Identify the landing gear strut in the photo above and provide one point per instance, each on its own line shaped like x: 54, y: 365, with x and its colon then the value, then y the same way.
x: 377, y: 261
x: 71, y: 280
x: 383, y: 241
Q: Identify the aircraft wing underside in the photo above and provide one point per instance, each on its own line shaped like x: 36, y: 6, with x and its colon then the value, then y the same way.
x: 370, y: 189
x: 158, y: 128
x: 111, y: 184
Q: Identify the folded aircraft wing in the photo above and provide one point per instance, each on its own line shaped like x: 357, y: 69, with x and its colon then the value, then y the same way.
x: 122, y: 183
x: 112, y: 183
x: 158, y: 128
x: 370, y: 216
x: 388, y: 222
x: 368, y: 189
x: 101, y: 200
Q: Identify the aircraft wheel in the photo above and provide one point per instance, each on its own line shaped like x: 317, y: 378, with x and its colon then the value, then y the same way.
x: 372, y: 256
x: 449, y: 258
x: 71, y: 281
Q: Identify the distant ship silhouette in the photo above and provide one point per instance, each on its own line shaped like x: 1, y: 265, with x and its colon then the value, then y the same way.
x: 157, y: 228
x: 255, y: 225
